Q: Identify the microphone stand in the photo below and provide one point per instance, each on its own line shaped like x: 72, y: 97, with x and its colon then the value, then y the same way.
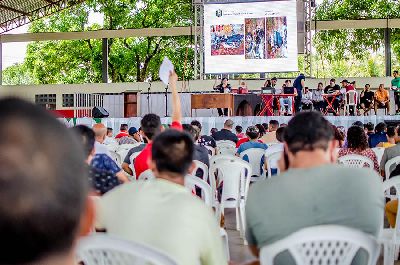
x: 148, y: 98
x: 166, y: 101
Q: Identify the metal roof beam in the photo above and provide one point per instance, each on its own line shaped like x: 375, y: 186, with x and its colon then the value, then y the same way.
x: 13, y: 10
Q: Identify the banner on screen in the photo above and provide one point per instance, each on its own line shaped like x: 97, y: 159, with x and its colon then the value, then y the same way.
x: 256, y: 37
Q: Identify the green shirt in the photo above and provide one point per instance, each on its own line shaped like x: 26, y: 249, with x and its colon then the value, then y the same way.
x: 396, y: 82
x: 299, y: 198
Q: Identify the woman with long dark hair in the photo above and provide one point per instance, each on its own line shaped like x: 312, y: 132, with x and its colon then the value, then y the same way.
x: 223, y: 87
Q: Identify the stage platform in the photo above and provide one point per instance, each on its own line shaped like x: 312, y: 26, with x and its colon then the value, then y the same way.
x: 217, y: 122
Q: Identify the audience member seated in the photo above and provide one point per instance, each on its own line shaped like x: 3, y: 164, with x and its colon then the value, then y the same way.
x: 306, y: 100
x: 132, y: 138
x: 388, y: 154
x: 100, y: 132
x: 239, y: 132
x: 357, y: 144
x: 261, y: 129
x: 314, y: 191
x: 213, y: 130
x: 338, y: 136
x: 106, y: 163
x: 270, y: 136
x: 126, y: 164
x: 162, y: 213
x: 151, y: 126
x: 318, y: 99
x: 367, y: 99
x: 204, y: 140
x: 44, y: 206
x: 391, y: 135
x: 110, y: 140
x: 369, y: 129
x: 123, y: 131
x: 246, y: 138
x: 226, y: 133
x: 200, y: 152
x: 101, y: 181
x: 379, y: 135
x: 275, y: 148
x: 382, y: 99
x: 391, y: 206
x: 333, y: 89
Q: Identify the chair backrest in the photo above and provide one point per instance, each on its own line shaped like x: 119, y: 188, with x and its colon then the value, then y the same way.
x: 378, y: 152
x: 146, y: 175
x: 127, y: 146
x: 226, y: 147
x: 273, y: 158
x: 391, y: 165
x: 116, y: 157
x: 225, y: 243
x: 192, y: 181
x: 211, y: 150
x: 271, y: 144
x: 394, y: 182
x: 106, y: 250
x: 356, y: 161
x: 351, y: 98
x: 323, y: 245
x: 255, y: 155
x: 203, y: 168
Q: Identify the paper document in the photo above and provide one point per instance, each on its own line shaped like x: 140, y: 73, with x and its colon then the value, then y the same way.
x: 165, y: 69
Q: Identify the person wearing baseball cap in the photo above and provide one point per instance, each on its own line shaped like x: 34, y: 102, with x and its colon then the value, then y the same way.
x: 132, y: 138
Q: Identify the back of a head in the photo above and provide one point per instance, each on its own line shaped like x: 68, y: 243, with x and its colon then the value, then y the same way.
x: 197, y: 124
x: 308, y: 131
x: 239, y: 129
x: 274, y: 124
x: 369, y: 126
x: 109, y: 130
x: 86, y: 135
x: 192, y: 131
x: 151, y: 125
x: 391, y: 131
x: 43, y: 184
x: 99, y: 130
x: 280, y: 133
x: 380, y: 127
x: 228, y: 124
x: 265, y: 125
x: 252, y: 132
x: 358, y: 123
x: 123, y: 127
x: 356, y: 138
x: 172, y: 152
x: 261, y: 130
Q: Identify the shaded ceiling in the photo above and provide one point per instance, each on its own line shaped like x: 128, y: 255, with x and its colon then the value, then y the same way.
x: 16, y: 13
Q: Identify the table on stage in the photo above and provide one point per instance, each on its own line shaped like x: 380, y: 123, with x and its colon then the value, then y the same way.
x: 268, y: 99
x: 212, y: 101
x: 330, y: 99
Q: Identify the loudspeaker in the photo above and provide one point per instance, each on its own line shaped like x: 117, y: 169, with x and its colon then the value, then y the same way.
x: 99, y: 112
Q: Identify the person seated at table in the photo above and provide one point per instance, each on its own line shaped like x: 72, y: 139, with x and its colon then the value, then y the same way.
x: 243, y: 88
x: 286, y: 101
x: 382, y: 99
x: 318, y: 99
x: 357, y: 144
x: 391, y: 134
x: 366, y: 99
x: 223, y: 87
x: 379, y: 135
x: 334, y: 90
x: 306, y: 100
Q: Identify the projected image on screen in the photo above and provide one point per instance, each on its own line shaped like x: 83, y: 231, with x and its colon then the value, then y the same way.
x: 277, y: 46
x: 255, y: 38
x: 227, y: 39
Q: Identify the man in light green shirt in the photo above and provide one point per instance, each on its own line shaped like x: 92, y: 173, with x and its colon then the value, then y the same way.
x: 396, y: 87
x: 312, y: 191
x: 162, y: 213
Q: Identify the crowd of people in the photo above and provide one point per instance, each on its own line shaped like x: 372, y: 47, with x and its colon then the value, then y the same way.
x: 47, y: 172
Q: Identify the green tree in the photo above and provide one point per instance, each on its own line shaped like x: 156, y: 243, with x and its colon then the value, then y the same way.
x: 17, y: 74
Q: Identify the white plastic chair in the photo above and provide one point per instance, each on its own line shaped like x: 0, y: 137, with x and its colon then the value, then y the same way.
x: 323, y: 245
x: 390, y: 237
x: 203, y: 168
x: 235, y: 174
x: 379, y: 152
x: 191, y: 182
x: 356, y: 161
x: 146, y: 175
x: 255, y: 156
x: 350, y: 100
x: 225, y: 243
x: 391, y: 165
x: 211, y: 150
x: 226, y: 147
x: 116, y: 157
x: 273, y: 158
x: 131, y: 165
x: 106, y: 250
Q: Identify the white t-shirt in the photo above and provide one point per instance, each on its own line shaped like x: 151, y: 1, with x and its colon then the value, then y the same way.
x: 166, y: 216
x: 272, y: 149
x: 100, y: 149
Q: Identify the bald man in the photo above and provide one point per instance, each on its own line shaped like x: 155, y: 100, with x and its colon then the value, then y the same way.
x: 100, y: 132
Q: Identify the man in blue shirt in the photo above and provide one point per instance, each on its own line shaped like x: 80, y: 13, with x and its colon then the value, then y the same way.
x: 379, y: 135
x: 299, y: 84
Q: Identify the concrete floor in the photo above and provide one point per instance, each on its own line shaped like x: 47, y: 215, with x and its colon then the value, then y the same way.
x: 238, y: 251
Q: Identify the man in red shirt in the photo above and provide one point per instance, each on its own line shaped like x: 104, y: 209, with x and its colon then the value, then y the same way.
x: 151, y: 127
x: 123, y: 131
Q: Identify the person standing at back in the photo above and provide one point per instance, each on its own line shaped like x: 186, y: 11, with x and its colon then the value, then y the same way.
x: 317, y: 190
x: 299, y: 85
x: 395, y: 85
x: 226, y: 133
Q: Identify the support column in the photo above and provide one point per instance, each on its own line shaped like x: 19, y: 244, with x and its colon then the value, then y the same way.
x: 104, y: 69
x: 388, y: 52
